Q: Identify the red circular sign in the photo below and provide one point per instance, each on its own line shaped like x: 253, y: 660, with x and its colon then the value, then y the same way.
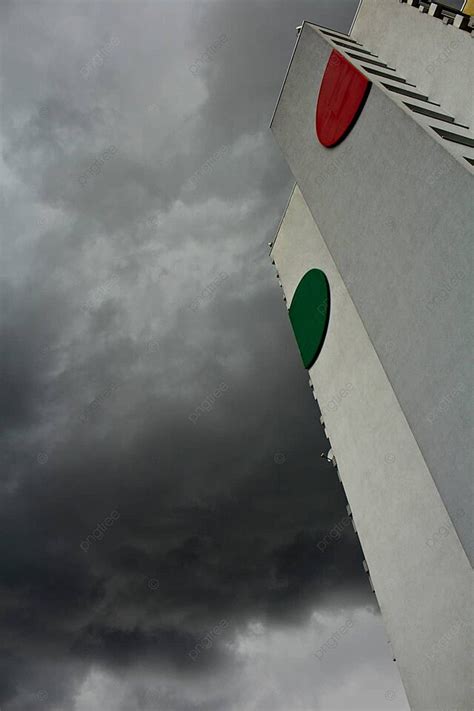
x: 341, y: 98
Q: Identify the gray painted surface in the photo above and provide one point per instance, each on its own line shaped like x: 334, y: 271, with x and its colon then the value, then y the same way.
x: 437, y: 57
x: 394, y: 90
x: 397, y: 214
x: 420, y: 572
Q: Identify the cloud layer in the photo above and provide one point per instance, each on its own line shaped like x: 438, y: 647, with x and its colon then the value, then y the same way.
x: 137, y: 169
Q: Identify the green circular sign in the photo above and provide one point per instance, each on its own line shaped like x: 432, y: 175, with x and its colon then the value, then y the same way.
x: 309, y: 314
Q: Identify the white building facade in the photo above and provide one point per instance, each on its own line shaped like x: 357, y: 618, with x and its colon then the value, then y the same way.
x: 374, y: 254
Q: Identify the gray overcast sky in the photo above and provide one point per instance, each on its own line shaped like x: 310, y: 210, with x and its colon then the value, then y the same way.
x: 139, y: 188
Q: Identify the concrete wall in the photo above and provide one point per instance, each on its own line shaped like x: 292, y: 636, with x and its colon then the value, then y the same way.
x: 397, y: 214
x: 438, y: 58
x: 417, y: 564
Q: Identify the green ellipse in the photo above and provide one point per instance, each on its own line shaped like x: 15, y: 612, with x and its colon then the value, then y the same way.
x: 309, y: 314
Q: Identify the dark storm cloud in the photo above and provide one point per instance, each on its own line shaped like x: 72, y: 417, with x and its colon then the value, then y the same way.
x: 116, y: 329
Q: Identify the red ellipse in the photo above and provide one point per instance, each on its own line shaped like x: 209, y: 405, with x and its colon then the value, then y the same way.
x: 341, y: 98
